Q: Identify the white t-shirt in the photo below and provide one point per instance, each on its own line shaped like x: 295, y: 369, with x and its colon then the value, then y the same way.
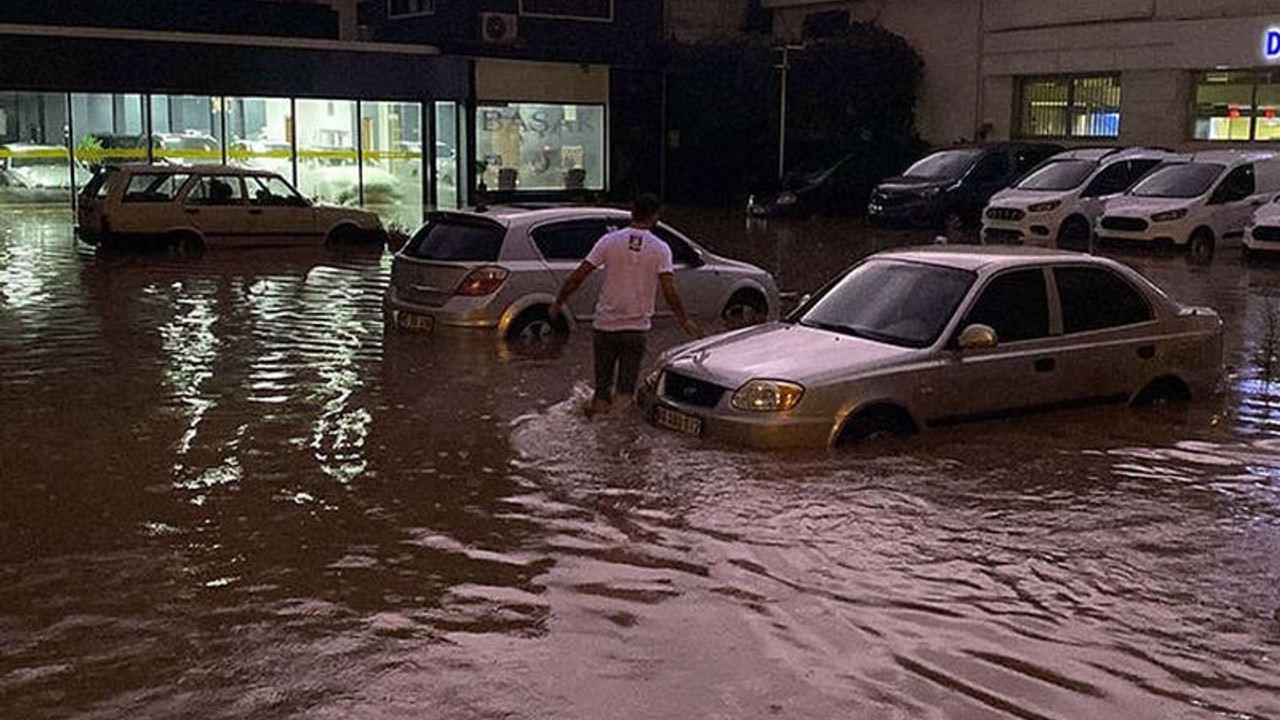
x: 631, y: 260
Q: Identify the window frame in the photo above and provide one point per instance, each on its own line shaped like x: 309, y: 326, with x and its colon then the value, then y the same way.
x: 577, y: 18
x: 967, y: 319
x: 1152, y: 316
x: 1257, y: 76
x: 1071, y: 80
x: 391, y: 15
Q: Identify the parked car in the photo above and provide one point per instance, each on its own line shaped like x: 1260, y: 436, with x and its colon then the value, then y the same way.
x: 933, y: 335
x: 499, y: 270
x: 947, y: 189
x: 1057, y: 203
x: 198, y: 206
x: 838, y: 188
x: 178, y: 148
x: 43, y: 167
x: 1194, y: 202
x: 1262, y: 234
x: 16, y: 190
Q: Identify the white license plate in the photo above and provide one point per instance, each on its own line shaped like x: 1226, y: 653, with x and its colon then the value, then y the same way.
x: 413, y: 321
x: 678, y: 421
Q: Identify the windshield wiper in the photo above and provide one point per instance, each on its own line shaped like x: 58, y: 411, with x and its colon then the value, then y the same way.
x: 832, y: 327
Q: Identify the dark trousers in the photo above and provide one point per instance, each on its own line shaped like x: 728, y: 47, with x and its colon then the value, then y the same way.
x: 622, y: 350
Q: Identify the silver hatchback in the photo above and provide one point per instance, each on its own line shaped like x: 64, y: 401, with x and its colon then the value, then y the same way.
x: 935, y: 335
x: 499, y: 271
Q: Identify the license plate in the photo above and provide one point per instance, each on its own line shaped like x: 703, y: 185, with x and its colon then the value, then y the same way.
x: 678, y: 421
x: 413, y: 321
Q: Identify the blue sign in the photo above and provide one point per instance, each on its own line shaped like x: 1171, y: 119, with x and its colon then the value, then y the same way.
x: 1271, y: 44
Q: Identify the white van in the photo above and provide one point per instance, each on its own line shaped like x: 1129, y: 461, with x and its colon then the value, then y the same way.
x: 1057, y: 203
x: 1262, y: 235
x: 1195, y: 202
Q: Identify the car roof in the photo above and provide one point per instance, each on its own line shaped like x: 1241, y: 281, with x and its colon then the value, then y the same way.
x: 983, y: 257
x: 511, y: 215
x: 195, y: 169
x: 1230, y: 157
x: 1113, y: 153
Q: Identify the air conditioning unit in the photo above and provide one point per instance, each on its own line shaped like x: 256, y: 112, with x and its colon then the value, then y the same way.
x: 497, y: 27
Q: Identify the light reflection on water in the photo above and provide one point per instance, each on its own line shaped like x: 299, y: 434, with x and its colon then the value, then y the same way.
x: 230, y: 496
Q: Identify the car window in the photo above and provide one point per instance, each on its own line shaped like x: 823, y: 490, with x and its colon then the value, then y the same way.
x: 216, y: 190
x: 1058, y: 175
x: 1027, y: 157
x: 570, y: 240
x: 271, y: 190
x: 1138, y: 168
x: 1237, y: 185
x: 1115, y: 178
x: 457, y: 239
x: 1015, y: 305
x: 153, y: 187
x: 1178, y: 180
x: 991, y: 168
x: 1094, y: 299
x: 682, y: 253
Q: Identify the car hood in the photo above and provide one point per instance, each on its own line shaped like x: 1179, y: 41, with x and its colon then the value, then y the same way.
x: 906, y: 184
x: 1021, y: 199
x: 783, y: 351
x: 1133, y: 206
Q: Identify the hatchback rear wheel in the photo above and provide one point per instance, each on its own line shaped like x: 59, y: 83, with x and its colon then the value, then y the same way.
x: 534, y: 328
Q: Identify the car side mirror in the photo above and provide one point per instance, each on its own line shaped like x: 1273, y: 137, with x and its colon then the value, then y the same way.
x: 977, y: 336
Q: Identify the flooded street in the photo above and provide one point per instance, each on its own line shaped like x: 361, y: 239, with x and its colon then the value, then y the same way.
x: 225, y: 494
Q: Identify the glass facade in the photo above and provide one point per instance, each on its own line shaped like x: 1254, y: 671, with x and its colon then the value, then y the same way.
x: 1237, y: 105
x: 450, y: 153
x: 539, y: 146
x: 391, y: 145
x: 1085, y: 106
x: 35, y: 161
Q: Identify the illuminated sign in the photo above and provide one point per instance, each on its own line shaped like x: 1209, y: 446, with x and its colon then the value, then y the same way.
x: 1271, y: 44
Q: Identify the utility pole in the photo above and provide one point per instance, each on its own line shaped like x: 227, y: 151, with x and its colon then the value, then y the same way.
x: 782, y: 107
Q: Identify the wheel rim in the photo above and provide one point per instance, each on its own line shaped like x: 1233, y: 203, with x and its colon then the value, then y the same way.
x: 740, y: 314
x: 536, y: 332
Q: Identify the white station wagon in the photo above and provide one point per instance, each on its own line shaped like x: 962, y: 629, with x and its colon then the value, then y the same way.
x: 935, y: 335
x: 198, y: 206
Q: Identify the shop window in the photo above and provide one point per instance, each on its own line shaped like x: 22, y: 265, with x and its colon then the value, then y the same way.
x: 1224, y: 105
x: 1085, y: 106
x: 186, y: 129
x: 535, y: 146
x: 328, y: 162
x: 35, y: 164
x: 410, y: 8
x: 108, y: 129
x: 449, y: 151
x: 576, y: 9
x: 261, y: 134
x: 392, y: 173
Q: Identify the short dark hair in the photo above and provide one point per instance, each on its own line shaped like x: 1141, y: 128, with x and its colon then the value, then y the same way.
x: 646, y: 207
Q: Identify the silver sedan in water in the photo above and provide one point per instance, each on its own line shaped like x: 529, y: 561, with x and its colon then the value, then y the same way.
x: 934, y: 335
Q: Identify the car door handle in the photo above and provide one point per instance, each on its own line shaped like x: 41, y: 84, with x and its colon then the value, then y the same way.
x: 1044, y: 365
x: 1146, y: 352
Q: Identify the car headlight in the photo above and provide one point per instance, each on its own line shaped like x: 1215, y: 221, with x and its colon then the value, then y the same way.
x: 786, y: 198
x: 655, y: 374
x: 767, y: 396
x: 1044, y: 206
x: 1168, y: 215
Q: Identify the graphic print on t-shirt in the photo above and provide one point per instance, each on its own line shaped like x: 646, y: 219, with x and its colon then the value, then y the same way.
x: 636, y: 243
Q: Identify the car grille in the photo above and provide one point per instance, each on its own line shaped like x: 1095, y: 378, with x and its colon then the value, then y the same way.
x: 1001, y: 235
x: 1126, y: 224
x: 887, y: 200
x: 691, y: 391
x: 999, y: 213
x: 1267, y: 233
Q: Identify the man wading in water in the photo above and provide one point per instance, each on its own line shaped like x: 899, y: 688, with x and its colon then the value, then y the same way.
x: 636, y: 262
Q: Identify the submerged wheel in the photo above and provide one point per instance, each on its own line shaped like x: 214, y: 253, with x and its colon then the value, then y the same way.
x: 1200, y: 247
x: 344, y: 235
x: 743, y: 309
x: 186, y: 243
x: 534, y: 327
x: 1162, y: 390
x: 876, y: 423
x: 1075, y: 234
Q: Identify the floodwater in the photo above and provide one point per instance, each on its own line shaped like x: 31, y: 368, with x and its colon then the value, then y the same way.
x: 225, y: 494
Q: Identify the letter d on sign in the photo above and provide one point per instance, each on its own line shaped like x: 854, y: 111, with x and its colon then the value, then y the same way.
x: 1271, y: 47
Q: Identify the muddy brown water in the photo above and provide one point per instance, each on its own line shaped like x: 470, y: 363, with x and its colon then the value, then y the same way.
x: 225, y: 494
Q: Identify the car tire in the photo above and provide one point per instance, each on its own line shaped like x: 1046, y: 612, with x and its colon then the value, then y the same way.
x: 1162, y: 390
x: 745, y: 308
x: 188, y: 244
x: 1075, y: 234
x: 1200, y: 246
x: 534, y: 328
x: 345, y: 235
x: 876, y: 423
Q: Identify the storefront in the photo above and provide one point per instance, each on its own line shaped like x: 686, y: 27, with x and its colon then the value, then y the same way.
x: 379, y: 127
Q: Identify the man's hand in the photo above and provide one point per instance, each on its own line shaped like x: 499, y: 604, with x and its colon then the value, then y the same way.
x: 691, y: 327
x: 553, y: 310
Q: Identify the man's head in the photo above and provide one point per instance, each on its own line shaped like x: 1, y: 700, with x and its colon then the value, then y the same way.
x: 645, y: 210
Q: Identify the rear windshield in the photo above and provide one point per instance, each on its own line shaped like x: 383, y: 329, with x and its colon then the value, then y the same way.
x: 1184, y: 180
x: 456, y: 239
x: 1058, y: 175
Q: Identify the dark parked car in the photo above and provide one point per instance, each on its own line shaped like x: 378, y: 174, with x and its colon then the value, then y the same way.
x: 948, y: 188
x: 837, y: 189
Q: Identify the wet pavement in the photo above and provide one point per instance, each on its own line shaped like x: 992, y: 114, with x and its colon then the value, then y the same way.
x: 225, y: 494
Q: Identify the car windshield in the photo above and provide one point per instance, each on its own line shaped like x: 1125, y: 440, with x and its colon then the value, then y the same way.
x: 890, y: 301
x: 456, y: 239
x: 1184, y: 180
x: 1058, y: 175
x: 943, y: 165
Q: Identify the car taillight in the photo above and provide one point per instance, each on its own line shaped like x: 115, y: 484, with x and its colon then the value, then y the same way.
x: 482, y: 281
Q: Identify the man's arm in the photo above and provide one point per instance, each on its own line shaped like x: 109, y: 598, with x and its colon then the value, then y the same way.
x: 673, y: 301
x: 571, y: 285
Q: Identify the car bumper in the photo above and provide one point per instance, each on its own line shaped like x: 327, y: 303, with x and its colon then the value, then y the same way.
x: 1028, y: 231
x: 757, y: 430
x: 1253, y: 242
x: 1149, y: 236
x: 917, y: 212
x: 408, y: 316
